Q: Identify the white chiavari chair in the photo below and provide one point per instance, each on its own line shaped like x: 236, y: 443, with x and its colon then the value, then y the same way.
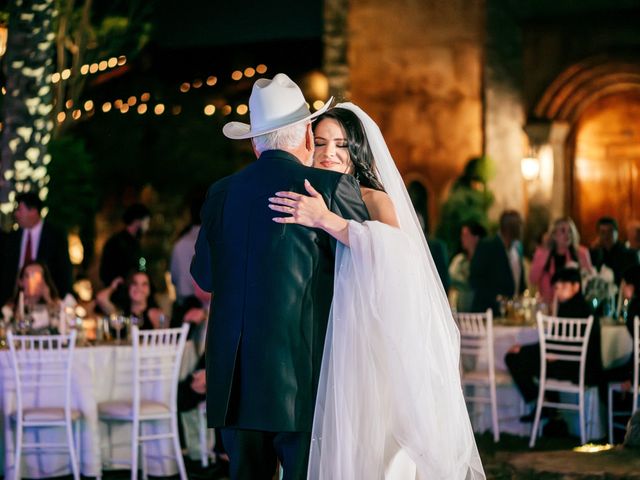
x: 617, y: 386
x: 562, y: 339
x: 157, y: 355
x: 42, y: 375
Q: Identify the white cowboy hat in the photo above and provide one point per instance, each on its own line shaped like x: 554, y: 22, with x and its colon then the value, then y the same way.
x: 274, y: 104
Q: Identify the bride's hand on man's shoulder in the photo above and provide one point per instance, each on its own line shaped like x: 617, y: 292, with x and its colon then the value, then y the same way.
x: 308, y: 210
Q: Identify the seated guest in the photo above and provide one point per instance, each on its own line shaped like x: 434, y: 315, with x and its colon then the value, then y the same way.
x: 631, y: 292
x: 139, y: 301
x: 633, y: 235
x: 562, y: 249
x: 523, y: 361
x: 39, y: 297
x: 608, y: 250
x: 496, y: 267
x: 471, y: 233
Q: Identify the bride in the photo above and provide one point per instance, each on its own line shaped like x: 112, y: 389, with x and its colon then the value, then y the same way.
x: 389, y: 402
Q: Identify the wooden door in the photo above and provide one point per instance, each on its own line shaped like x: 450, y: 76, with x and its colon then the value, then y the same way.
x: 607, y: 164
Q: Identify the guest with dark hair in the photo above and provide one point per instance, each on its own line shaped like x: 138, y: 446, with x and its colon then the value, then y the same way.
x: 139, y: 301
x: 496, y: 267
x: 608, y: 250
x: 35, y: 240
x: 523, y: 361
x: 121, y: 254
x: 471, y: 233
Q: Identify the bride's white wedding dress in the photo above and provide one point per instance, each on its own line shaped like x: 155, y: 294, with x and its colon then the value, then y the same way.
x: 390, y: 403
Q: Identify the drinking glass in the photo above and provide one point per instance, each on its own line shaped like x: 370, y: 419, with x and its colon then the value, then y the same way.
x: 117, y: 322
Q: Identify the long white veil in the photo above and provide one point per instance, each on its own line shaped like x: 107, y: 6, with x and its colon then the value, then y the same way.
x: 389, y: 388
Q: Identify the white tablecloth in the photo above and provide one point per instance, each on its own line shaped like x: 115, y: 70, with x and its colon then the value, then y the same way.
x: 616, y: 349
x: 99, y: 374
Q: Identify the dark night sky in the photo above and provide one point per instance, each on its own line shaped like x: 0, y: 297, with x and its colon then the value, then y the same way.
x: 202, y: 23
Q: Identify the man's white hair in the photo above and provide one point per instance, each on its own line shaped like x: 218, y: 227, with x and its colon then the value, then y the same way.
x: 282, y: 139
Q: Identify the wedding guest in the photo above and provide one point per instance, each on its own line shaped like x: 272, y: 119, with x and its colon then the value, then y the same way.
x: 496, y: 267
x: 562, y: 249
x: 37, y: 296
x: 440, y: 256
x: 631, y: 293
x: 608, y: 250
x: 470, y: 234
x: 523, y: 361
x: 139, y: 301
x: 121, y: 254
x: 182, y: 253
x: 36, y: 239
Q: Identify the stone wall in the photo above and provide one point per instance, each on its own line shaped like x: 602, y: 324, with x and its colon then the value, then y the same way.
x: 415, y: 67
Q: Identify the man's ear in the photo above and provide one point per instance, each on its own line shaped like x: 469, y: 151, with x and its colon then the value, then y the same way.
x: 309, y: 138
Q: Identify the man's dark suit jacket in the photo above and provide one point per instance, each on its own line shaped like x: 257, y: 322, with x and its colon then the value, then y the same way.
x: 272, y: 288
x: 53, y: 251
x: 490, y: 274
x: 619, y: 259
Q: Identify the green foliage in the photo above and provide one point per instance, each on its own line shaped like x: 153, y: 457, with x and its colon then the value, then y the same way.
x: 469, y: 200
x: 72, y: 200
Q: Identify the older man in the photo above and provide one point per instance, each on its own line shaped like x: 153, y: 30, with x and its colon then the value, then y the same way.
x: 272, y: 287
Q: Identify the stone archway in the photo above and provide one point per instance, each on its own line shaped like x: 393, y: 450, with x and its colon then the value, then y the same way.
x: 575, y: 99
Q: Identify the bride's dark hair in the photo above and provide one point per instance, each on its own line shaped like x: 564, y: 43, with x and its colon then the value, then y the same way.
x: 359, y: 150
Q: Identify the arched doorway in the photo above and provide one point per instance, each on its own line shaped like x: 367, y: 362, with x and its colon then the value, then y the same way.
x: 607, y: 162
x: 598, y: 103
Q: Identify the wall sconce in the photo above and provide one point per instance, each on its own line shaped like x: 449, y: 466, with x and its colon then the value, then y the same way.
x: 530, y: 166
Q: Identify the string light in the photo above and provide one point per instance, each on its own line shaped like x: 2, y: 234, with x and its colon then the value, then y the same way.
x: 197, y: 83
x: 184, y: 88
x: 249, y: 72
x: 318, y: 104
x: 261, y: 69
x: 55, y: 78
x: 93, y: 68
x: 66, y: 73
x: 142, y: 108
x: 103, y: 65
x: 176, y: 110
x: 84, y: 69
x: 237, y: 75
x: 68, y: 103
x: 112, y: 62
x: 124, y: 108
x: 159, y: 109
x: 242, y: 109
x: 209, y: 110
x: 132, y: 101
x: 226, y: 110
x: 106, y: 107
x: 145, y: 97
x: 88, y: 105
x: 61, y: 117
x: 122, y: 60
x: 211, y: 81
x: 76, y: 114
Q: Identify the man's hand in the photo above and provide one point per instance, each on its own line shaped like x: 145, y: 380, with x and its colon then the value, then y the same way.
x: 199, y: 382
x: 195, y: 316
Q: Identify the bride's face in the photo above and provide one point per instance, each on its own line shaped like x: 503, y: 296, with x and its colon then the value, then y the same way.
x: 331, y: 148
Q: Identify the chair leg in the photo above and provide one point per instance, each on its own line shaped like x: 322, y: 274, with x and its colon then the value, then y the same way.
x: 176, y: 445
x: 610, y: 413
x: 78, y: 441
x: 583, y: 432
x: 204, y: 441
x: 18, y: 458
x: 135, y: 426
x: 494, y: 413
x: 75, y: 468
x: 143, y: 457
x: 536, y: 420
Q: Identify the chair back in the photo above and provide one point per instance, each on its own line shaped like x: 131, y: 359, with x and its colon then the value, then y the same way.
x: 476, y: 337
x: 636, y: 362
x: 157, y: 355
x: 564, y: 339
x: 42, y: 370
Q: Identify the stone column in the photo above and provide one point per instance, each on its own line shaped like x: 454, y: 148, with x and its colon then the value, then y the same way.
x: 335, y: 47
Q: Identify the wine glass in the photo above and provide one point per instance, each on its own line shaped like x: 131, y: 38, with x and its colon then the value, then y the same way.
x: 117, y: 322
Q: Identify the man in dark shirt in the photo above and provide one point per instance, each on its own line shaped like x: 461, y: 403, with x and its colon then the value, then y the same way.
x: 523, y: 361
x: 609, y: 251
x: 121, y: 254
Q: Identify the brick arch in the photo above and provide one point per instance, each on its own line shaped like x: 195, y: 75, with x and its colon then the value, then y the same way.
x: 583, y: 83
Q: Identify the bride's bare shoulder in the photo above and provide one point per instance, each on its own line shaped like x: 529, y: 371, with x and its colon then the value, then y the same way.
x: 380, y: 206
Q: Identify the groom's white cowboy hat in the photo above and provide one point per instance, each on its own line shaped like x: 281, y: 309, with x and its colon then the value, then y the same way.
x: 274, y: 104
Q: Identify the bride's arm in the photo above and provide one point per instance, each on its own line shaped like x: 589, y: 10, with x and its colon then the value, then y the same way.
x: 311, y: 211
